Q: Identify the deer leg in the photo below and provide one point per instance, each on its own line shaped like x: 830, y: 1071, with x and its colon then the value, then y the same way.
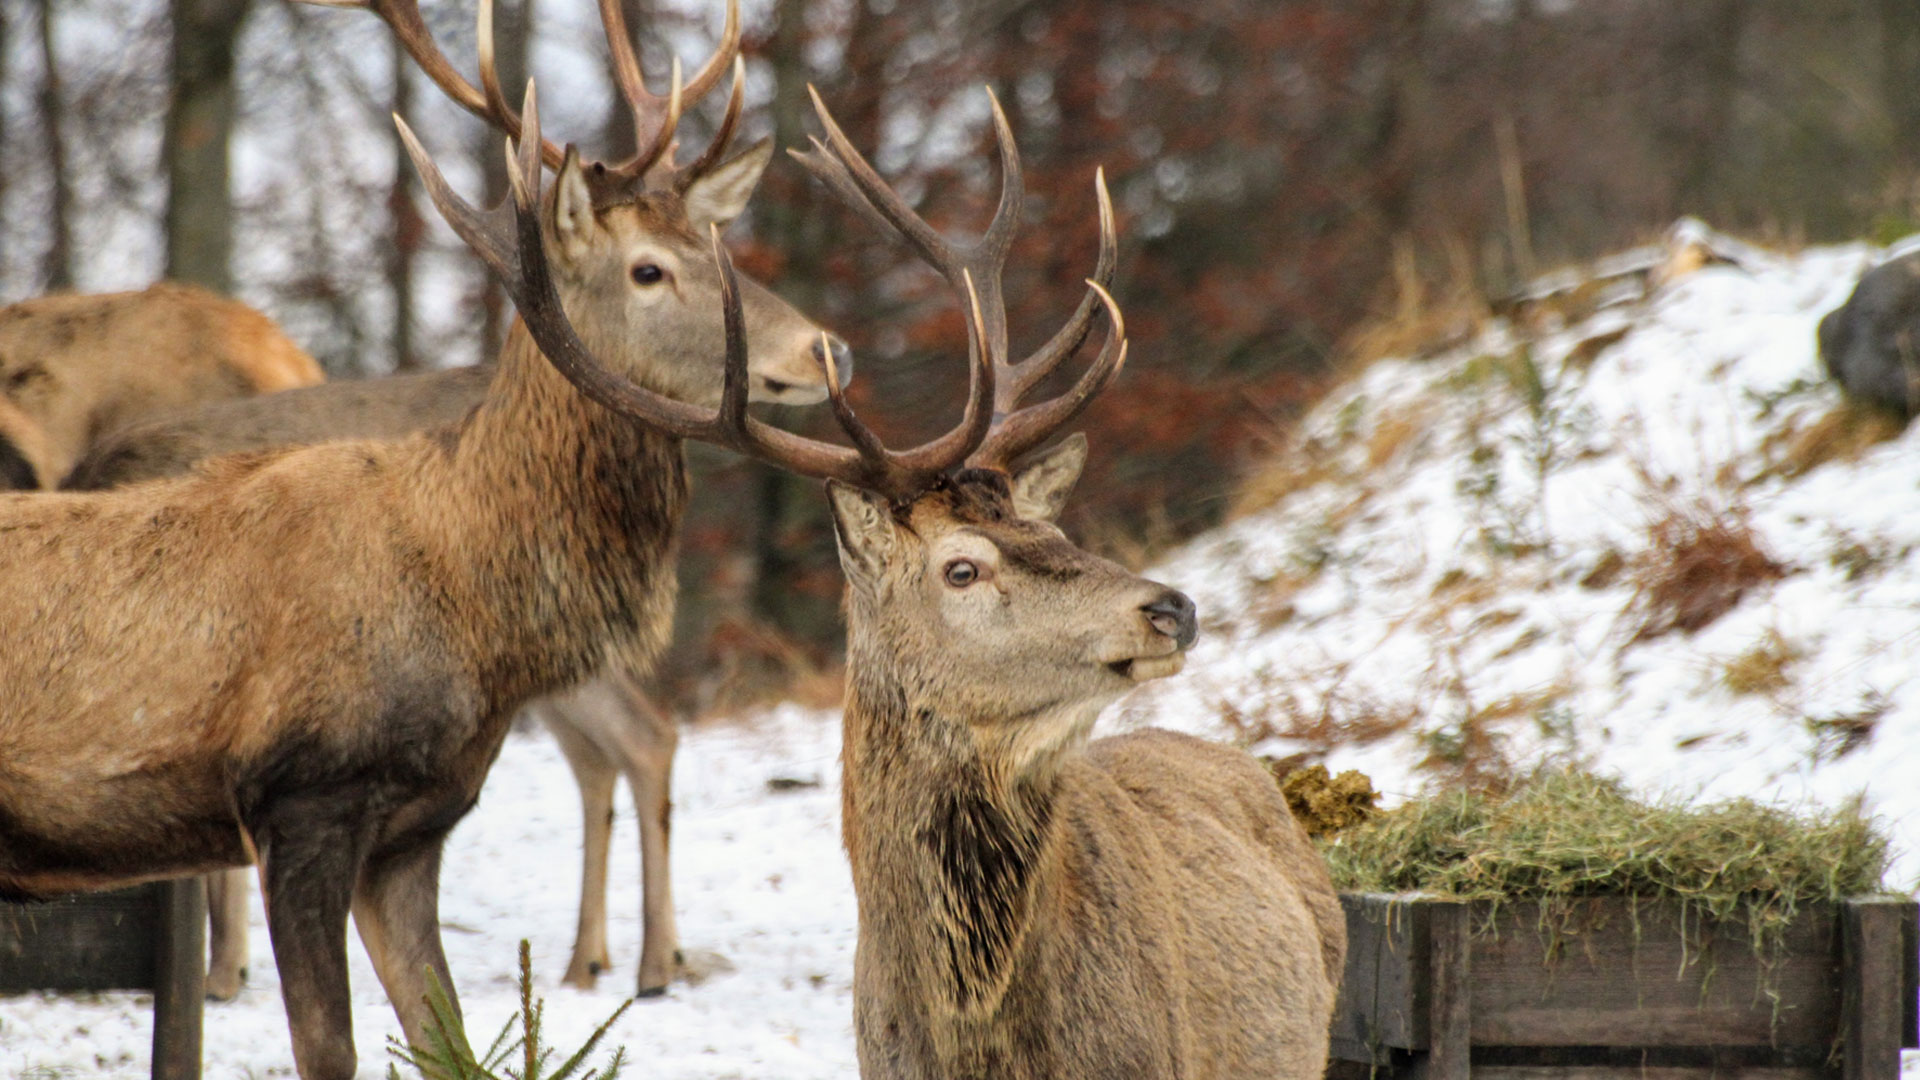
x: 649, y: 769
x: 396, y: 907
x: 595, y: 775
x: 227, y: 893
x: 307, y: 868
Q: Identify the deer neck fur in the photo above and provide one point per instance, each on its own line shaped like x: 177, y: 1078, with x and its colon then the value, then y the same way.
x: 567, y: 519
x: 957, y: 850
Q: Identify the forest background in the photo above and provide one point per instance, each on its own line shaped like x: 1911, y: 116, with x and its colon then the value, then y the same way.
x: 1302, y: 185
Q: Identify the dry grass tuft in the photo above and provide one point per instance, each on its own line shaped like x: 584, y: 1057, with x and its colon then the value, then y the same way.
x: 1699, y: 562
x: 1420, y: 324
x: 1318, y: 711
x: 1843, y: 433
x: 1762, y: 669
x: 1837, y: 736
x: 1326, y: 804
x: 1564, y: 834
x: 1292, y: 471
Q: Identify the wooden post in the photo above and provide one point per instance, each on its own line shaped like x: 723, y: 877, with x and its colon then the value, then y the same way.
x: 180, y: 980
x: 1449, y: 993
x: 1873, y: 973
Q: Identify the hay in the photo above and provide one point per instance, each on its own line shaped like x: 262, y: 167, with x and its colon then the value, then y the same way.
x: 1566, y: 834
x: 1326, y: 804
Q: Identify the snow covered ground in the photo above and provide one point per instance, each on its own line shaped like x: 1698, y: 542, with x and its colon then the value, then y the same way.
x: 1425, y: 590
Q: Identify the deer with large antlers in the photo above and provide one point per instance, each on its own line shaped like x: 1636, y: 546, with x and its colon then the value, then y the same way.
x: 1033, y: 905
x: 308, y: 659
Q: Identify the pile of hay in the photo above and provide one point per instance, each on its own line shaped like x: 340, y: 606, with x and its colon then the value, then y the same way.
x: 1326, y: 804
x: 1566, y: 834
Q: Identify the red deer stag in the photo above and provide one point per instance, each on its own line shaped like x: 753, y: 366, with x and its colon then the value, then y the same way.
x: 607, y: 728
x: 1032, y: 904
x: 308, y: 659
x: 73, y: 367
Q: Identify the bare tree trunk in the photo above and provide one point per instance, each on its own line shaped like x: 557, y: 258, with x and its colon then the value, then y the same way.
x: 513, y: 39
x: 6, y: 39
x: 200, y: 117
x: 1900, y: 82
x: 404, y: 227
x: 57, y: 266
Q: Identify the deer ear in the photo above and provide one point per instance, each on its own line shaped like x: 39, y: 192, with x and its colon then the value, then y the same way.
x: 863, y: 525
x: 1040, y: 489
x: 573, y: 221
x: 719, y: 196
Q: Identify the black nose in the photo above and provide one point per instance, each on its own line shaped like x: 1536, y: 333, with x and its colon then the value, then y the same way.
x: 842, y: 358
x: 1173, y: 615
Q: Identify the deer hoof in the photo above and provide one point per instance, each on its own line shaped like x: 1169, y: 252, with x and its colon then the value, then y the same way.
x: 646, y: 992
x: 224, y: 987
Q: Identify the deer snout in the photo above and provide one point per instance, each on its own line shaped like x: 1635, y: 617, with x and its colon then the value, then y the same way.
x: 1174, y: 615
x: 842, y: 358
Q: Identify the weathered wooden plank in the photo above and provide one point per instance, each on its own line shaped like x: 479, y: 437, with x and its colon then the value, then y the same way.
x: 1624, y: 1072
x: 1382, y: 1003
x: 1610, y: 973
x: 1874, y: 974
x: 1910, y: 977
x: 96, y: 941
x: 1450, y: 993
x: 180, y: 984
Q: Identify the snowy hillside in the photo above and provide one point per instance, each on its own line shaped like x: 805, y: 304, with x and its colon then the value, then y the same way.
x: 1478, y: 560
x: 1470, y: 562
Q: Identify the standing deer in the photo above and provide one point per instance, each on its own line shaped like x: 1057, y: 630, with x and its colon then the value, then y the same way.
x: 606, y: 728
x: 308, y: 659
x: 171, y: 442
x: 1032, y: 904
x: 73, y: 367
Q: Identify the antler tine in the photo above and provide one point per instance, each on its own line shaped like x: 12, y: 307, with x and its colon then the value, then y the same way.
x: 489, y: 234
x: 1021, y: 377
x: 1014, y: 435
x: 868, y: 464
x: 723, y: 136
x: 998, y: 238
x: 655, y: 117
x: 932, y: 458
x: 844, y: 170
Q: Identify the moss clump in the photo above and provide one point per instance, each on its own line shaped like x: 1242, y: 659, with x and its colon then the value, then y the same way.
x: 1569, y: 834
x: 1327, y: 804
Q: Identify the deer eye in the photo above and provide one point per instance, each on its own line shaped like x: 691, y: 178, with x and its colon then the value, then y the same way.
x: 962, y: 573
x: 648, y: 274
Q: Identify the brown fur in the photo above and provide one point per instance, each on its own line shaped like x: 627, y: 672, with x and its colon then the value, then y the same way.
x: 312, y: 655
x: 1031, y: 904
x: 607, y: 727
x: 170, y: 443
x: 81, y: 365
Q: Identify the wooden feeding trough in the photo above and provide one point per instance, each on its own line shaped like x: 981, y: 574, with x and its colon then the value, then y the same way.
x: 1606, y: 988
x: 152, y: 937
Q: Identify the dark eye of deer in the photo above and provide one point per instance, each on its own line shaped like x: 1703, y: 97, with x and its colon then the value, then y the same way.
x: 648, y: 274
x: 961, y: 573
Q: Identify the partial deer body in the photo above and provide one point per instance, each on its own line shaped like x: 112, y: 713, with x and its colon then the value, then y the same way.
x: 1033, y: 905
x: 73, y: 367
x: 310, y: 657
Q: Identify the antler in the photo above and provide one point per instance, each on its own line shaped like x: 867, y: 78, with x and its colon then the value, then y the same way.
x: 1015, y: 430
x: 508, y: 239
x: 654, y: 117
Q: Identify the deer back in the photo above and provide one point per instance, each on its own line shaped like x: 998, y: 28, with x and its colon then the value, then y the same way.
x: 172, y: 442
x: 81, y: 365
